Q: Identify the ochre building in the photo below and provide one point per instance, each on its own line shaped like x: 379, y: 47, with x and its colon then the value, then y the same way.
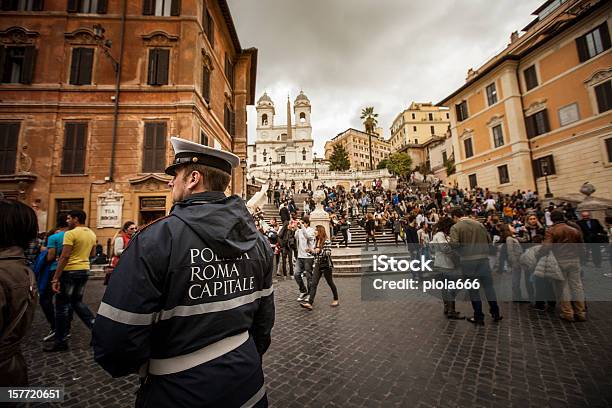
x: 92, y: 91
x: 357, y: 145
x: 542, y: 107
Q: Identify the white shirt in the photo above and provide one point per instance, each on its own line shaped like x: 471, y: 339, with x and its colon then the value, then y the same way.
x: 305, y: 239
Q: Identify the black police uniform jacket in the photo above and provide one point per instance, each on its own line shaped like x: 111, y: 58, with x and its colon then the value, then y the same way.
x: 191, y: 305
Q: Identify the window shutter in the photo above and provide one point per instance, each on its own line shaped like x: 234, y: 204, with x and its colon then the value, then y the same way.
x: 535, y: 164
x: 37, y: 5
x: 79, y: 148
x: 28, y: 65
x: 149, y: 145
x: 148, y: 7
x: 102, y: 6
x: 581, y: 45
x: 68, y: 150
x: 603, y: 94
x: 605, y: 35
x: 551, y: 165
x: 85, y: 66
x: 545, y: 119
x: 6, y: 5
x: 175, y: 8
x: 9, y: 135
x: 163, y: 59
x: 2, y: 57
x: 529, y: 124
x: 206, y: 85
x: 160, y: 148
x: 211, y: 27
x: 205, y: 22
x: 73, y: 6
x: 152, y: 66
x: 74, y: 66
x: 232, y: 123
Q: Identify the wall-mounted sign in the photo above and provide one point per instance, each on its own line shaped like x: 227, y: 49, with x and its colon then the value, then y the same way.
x: 110, y: 207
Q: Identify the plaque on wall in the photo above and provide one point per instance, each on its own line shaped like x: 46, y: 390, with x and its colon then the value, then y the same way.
x: 110, y: 207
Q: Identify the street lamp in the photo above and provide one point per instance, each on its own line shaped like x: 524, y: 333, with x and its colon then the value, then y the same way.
x: 316, y: 177
x: 243, y: 165
x: 105, y: 45
x: 545, y: 171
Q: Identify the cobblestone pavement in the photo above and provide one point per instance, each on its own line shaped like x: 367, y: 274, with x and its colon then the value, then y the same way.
x: 400, y: 353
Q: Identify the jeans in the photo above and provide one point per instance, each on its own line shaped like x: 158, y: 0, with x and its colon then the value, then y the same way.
x: 570, y: 292
x: 46, y: 304
x: 303, y: 266
x: 368, y: 238
x: 480, y: 269
x: 327, y: 273
x: 72, y: 287
x: 287, y: 253
x: 544, y: 292
x: 517, y: 273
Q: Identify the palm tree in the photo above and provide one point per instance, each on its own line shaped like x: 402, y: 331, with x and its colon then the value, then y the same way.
x: 369, y: 121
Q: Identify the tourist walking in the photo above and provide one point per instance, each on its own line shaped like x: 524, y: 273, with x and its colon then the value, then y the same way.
x: 323, y: 266
x: 445, y: 265
x: 71, y: 277
x: 370, y: 229
x: 120, y: 243
x: 18, y: 294
x: 594, y: 236
x: 305, y: 241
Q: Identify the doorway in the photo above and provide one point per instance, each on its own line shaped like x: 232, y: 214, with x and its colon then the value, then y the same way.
x: 151, y: 208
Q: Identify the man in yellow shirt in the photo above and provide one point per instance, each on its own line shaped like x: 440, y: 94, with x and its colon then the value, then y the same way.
x: 71, y: 277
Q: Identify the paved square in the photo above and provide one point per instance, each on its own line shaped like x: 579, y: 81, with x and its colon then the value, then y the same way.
x: 384, y: 354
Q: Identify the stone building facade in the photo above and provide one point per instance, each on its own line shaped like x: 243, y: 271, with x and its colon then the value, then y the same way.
x: 357, y: 145
x: 419, y: 123
x: 289, y: 144
x: 93, y: 90
x: 542, y: 108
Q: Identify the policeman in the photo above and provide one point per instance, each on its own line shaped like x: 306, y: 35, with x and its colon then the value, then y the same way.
x: 190, y: 306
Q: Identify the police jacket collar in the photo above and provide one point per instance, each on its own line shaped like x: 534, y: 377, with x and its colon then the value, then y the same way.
x: 205, y: 197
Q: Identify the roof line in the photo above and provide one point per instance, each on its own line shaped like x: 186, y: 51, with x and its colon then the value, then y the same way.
x: 230, y: 25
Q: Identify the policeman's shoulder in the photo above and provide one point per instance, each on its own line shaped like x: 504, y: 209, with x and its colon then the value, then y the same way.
x: 146, y: 229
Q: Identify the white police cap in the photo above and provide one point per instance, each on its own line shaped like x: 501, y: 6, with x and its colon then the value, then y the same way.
x: 186, y: 151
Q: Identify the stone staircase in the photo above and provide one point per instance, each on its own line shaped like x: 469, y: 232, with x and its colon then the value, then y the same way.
x: 270, y: 211
x: 358, y: 236
x: 350, y: 262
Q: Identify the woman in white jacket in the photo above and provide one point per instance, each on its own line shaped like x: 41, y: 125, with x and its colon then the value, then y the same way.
x: 445, y: 264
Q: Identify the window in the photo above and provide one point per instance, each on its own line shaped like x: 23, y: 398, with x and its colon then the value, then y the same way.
x: 304, y: 157
x: 444, y: 156
x: 430, y: 116
x: 544, y: 166
x: 603, y: 92
x: 18, y: 66
x: 203, y: 138
x: 416, y: 141
x: 473, y: 180
x: 154, y: 147
x: 158, y: 66
x: 75, y: 143
x: 491, y: 94
x: 498, y: 136
x: 593, y: 43
x: 81, y: 67
x: 22, y: 5
x: 206, y: 83
x: 609, y: 149
x: 414, y: 128
x: 413, y: 116
x: 504, y: 176
x: 568, y: 114
x: 161, y: 7
x: 447, y: 116
x: 87, y: 6
x: 469, y: 150
x: 229, y: 121
x: 462, y: 111
x: 531, y: 77
x: 537, y: 124
x: 302, y: 117
x: 9, y: 135
x: 264, y: 119
x: 209, y: 28
x: 229, y: 71
x: 432, y: 129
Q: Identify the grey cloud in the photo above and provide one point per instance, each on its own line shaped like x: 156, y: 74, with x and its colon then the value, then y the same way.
x: 347, y: 54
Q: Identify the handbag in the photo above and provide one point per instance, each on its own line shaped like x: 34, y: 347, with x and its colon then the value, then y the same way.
x: 548, y: 268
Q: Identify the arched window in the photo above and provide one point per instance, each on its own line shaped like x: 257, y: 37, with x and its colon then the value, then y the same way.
x: 264, y: 119
x: 302, y: 117
x: 283, y: 137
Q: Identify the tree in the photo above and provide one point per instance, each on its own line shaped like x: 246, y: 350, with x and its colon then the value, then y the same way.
x: 400, y: 164
x: 383, y: 164
x: 339, y: 160
x: 450, y: 167
x: 369, y: 121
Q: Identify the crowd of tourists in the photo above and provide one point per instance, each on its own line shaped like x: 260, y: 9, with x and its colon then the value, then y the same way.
x: 512, y: 233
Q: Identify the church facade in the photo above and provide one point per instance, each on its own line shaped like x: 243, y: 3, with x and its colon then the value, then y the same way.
x: 287, y: 144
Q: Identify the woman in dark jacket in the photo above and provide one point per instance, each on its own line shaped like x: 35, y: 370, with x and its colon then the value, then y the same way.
x: 532, y: 228
x: 370, y: 228
x: 323, y: 266
x: 18, y: 295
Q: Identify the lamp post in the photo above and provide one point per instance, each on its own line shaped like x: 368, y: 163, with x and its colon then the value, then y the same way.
x: 105, y: 45
x: 545, y: 171
x: 316, y: 177
x: 243, y: 166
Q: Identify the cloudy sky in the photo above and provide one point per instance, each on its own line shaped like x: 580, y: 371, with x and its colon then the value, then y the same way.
x: 348, y: 54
